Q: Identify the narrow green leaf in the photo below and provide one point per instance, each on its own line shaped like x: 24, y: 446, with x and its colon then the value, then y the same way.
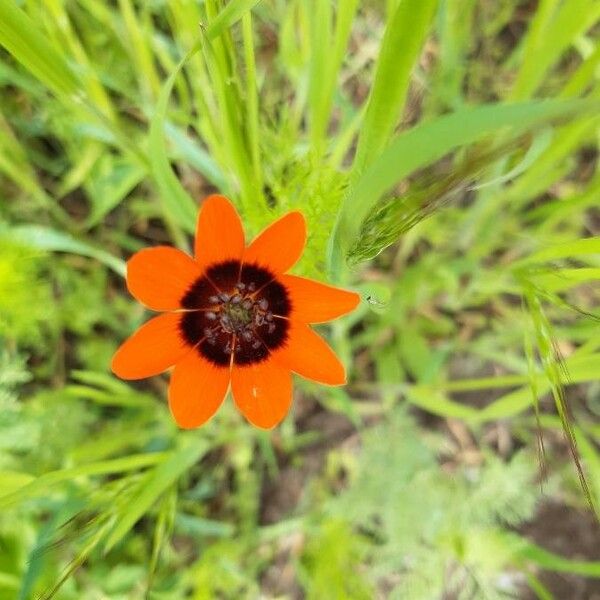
x: 582, y: 247
x: 163, y: 529
x: 319, y: 92
x: 233, y: 12
x: 189, y: 151
x: 403, y: 39
x: 20, y: 36
x: 44, y: 238
x: 428, y: 142
x: 118, y: 465
x: 561, y: 280
x: 174, y: 198
x: 556, y: 26
x: 581, y: 369
x: 437, y: 403
x: 153, y: 485
x: 549, y: 561
x: 11, y: 481
x: 9, y: 582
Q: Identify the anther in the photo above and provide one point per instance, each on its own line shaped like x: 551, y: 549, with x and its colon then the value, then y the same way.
x: 247, y: 304
x: 213, y: 299
x: 252, y: 286
x: 263, y: 304
x: 256, y: 345
x: 236, y: 299
x: 223, y: 297
x: 247, y: 335
x: 271, y: 327
x: 211, y: 316
x: 269, y: 316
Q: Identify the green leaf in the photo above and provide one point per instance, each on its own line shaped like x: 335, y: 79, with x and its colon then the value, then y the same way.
x: 107, y: 187
x: 11, y: 481
x: 555, y: 27
x: 403, y: 39
x: 44, y: 238
x: 153, y: 485
x: 428, y: 142
x: 20, y: 36
x: 561, y: 280
x: 118, y: 465
x: 583, y: 247
x: 192, y: 153
x: 580, y: 368
x: 10, y: 582
x: 437, y: 403
x: 549, y: 561
x: 175, y: 199
x: 233, y: 12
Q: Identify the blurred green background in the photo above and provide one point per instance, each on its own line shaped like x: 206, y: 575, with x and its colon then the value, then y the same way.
x: 445, y: 154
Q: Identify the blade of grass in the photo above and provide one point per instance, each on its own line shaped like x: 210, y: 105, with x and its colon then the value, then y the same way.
x: 233, y: 12
x: 20, y: 36
x: 403, y: 39
x: 554, y: 29
x: 530, y: 552
x: 179, y: 209
x: 251, y: 98
x: 153, y: 485
x: 118, y: 465
x: 319, y: 96
x: 428, y: 142
x: 140, y: 51
x: 44, y: 238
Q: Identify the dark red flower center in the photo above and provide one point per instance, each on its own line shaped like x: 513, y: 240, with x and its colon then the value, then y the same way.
x: 235, y: 312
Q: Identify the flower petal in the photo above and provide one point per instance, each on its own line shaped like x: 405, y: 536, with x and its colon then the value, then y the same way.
x: 196, y: 391
x: 280, y: 245
x: 262, y: 392
x: 219, y: 232
x: 314, y: 302
x: 307, y: 354
x: 160, y: 277
x: 152, y: 349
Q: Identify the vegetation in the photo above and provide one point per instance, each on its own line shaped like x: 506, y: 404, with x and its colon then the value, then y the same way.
x: 444, y: 153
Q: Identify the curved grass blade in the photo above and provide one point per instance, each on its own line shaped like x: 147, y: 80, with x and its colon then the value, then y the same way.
x: 118, y: 465
x: 428, y: 142
x: 403, y: 39
x: 20, y: 36
x: 233, y: 12
x: 155, y: 483
x: 392, y: 218
x: 176, y: 201
x: 44, y: 238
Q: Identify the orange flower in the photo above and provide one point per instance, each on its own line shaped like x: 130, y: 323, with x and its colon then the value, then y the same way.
x: 232, y: 315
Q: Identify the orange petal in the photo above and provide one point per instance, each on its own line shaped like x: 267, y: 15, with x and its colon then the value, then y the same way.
x: 197, y: 389
x: 152, y: 349
x: 262, y: 392
x: 308, y: 355
x: 219, y: 232
x: 280, y: 245
x: 314, y: 302
x: 159, y: 277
